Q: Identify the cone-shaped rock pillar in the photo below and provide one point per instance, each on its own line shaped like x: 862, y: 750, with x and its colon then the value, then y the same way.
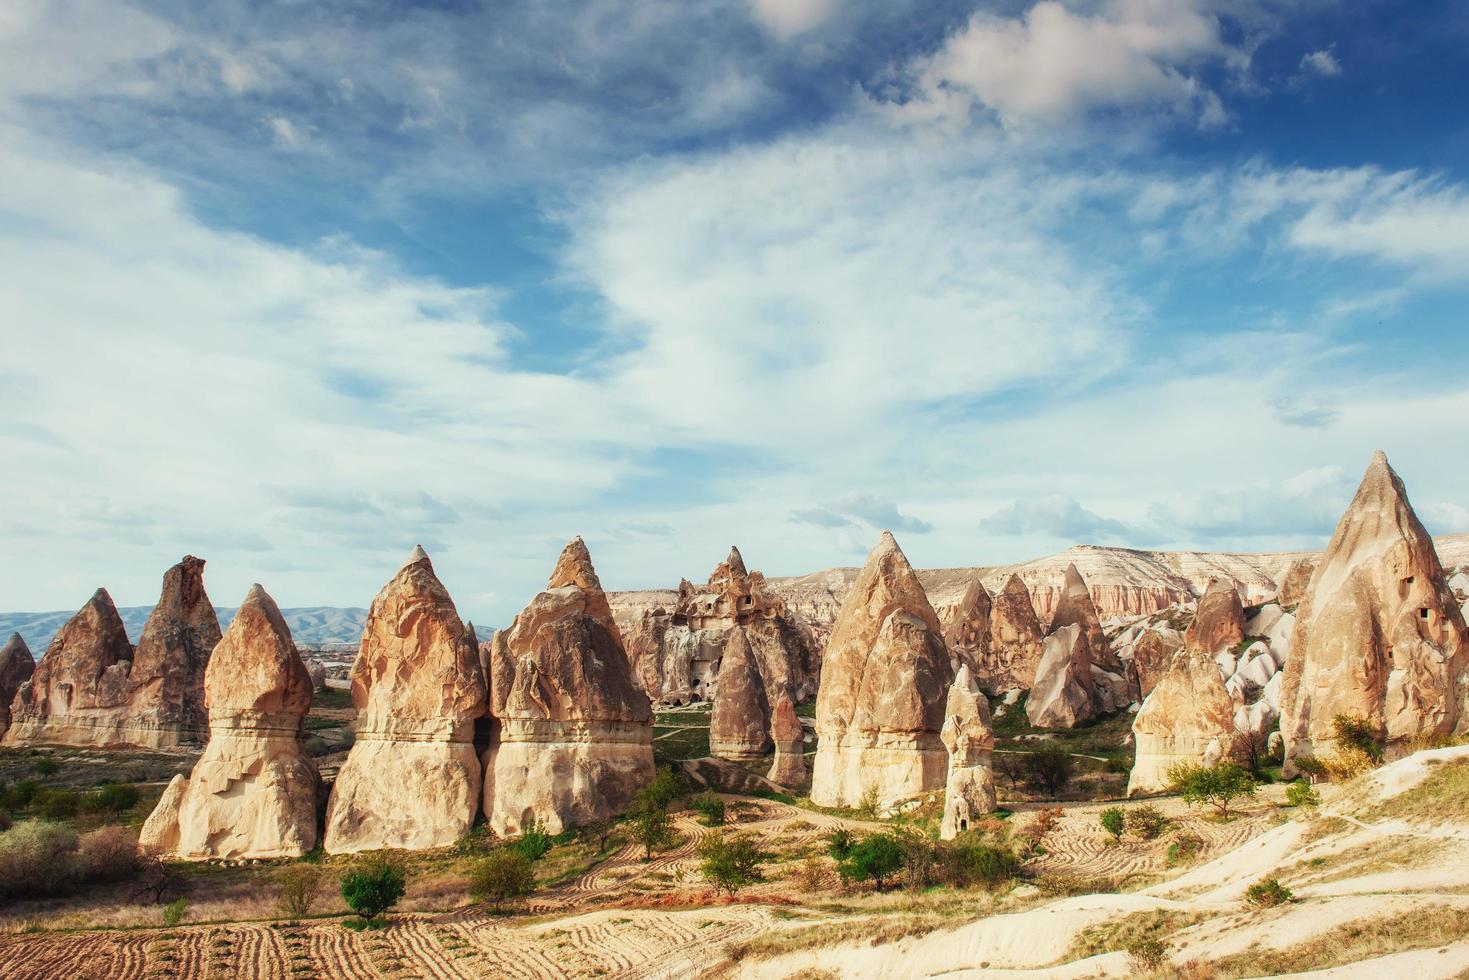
x: 412, y: 779
x: 1076, y: 607
x: 166, y: 707
x: 1015, y: 641
x: 884, y: 681
x: 970, y: 791
x: 253, y: 792
x: 1188, y: 717
x: 739, y: 725
x: 16, y: 667
x: 1219, y: 625
x: 788, y: 769
x: 574, y: 733
x: 1062, y: 695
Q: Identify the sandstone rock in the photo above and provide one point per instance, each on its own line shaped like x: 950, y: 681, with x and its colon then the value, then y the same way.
x: 79, y: 691
x: 789, y: 767
x: 253, y: 792
x: 412, y: 779
x: 1062, y: 695
x: 317, y: 670
x: 740, y: 722
x: 884, y: 682
x: 1077, y: 608
x: 1151, y: 654
x: 1219, y: 624
x: 574, y: 740
x: 16, y: 667
x: 1189, y: 717
x: 1015, y: 641
x: 1294, y: 582
x: 166, y: 703
x: 967, y: 629
x: 1110, y: 691
x: 970, y: 790
x: 1379, y: 633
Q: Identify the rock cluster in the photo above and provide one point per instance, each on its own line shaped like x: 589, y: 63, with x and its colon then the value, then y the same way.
x: 788, y: 768
x: 969, y: 792
x: 1293, y: 583
x: 253, y: 793
x: 574, y: 733
x: 1188, y: 717
x: 1378, y: 632
x: 884, y: 684
x: 16, y: 667
x: 1005, y: 655
x: 412, y: 778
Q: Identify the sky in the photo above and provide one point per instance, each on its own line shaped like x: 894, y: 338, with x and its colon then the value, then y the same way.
x: 294, y: 286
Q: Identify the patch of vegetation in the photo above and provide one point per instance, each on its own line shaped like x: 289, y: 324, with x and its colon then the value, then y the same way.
x: 1443, y: 792
x: 331, y: 699
x: 1184, y: 848
x: 373, y: 886
x: 1301, y: 794
x: 1420, y: 928
x: 1114, y: 822
x: 1125, y: 931
x: 1268, y: 893
x: 502, y: 876
x: 731, y: 862
x: 1218, y: 785
x: 875, y: 858
x: 1146, y: 821
x: 710, y: 807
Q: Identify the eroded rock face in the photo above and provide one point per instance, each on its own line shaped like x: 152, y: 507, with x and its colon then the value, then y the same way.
x: 967, y: 628
x: 1188, y: 717
x: 1294, y: 582
x: 789, y: 766
x: 1015, y: 641
x: 1378, y: 633
x: 1077, y: 608
x: 412, y: 779
x: 79, y: 691
x: 16, y: 667
x: 1062, y: 696
x: 740, y: 722
x: 1220, y: 623
x: 970, y: 790
x: 884, y: 683
x: 166, y: 705
x: 574, y: 740
x: 253, y: 792
x: 1151, y: 655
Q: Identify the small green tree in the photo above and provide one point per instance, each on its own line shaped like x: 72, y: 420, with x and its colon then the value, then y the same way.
x: 731, y: 862
x: 1301, y: 794
x: 1114, y: 822
x: 300, y: 885
x: 839, y: 843
x: 505, y: 874
x: 173, y: 912
x: 1311, y: 767
x: 46, y: 766
x: 1355, y: 732
x: 876, y: 858
x: 373, y: 886
x: 653, y: 828
x: 1146, y: 821
x: 1050, y: 768
x: 662, y: 791
x: 533, y: 841
x: 1218, y: 785
x: 711, y: 807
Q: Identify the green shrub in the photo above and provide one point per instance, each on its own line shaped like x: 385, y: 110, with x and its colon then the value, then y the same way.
x: 876, y: 858
x: 19, y: 796
x: 373, y: 886
x: 113, y: 799
x: 730, y: 862
x: 38, y: 859
x: 839, y: 843
x: 1354, y: 732
x: 1147, y: 955
x: 970, y: 861
x: 1146, y: 821
x: 47, y: 766
x: 57, y: 804
x: 502, y: 876
x: 869, y: 803
x: 1218, y: 785
x: 1184, y: 848
x: 653, y: 828
x: 299, y: 887
x: 711, y: 807
x: 1301, y: 794
x: 1114, y: 822
x: 173, y: 912
x: 666, y: 787
x: 533, y: 842
x: 1267, y: 894
x: 1310, y: 766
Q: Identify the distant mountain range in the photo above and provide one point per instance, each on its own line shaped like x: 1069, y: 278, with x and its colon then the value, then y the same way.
x: 312, y: 626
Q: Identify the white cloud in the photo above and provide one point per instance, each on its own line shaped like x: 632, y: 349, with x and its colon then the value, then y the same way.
x: 787, y: 18
x: 1322, y: 63
x: 1053, y: 62
x: 1057, y: 516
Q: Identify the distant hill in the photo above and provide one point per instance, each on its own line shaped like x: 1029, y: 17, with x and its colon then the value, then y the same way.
x: 311, y: 626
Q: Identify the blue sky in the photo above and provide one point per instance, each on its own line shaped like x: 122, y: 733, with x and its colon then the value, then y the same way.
x: 294, y: 286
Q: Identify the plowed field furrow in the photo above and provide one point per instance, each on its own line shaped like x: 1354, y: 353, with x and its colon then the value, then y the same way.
x: 416, y: 942
x: 335, y: 953
x: 129, y: 959
x: 44, y: 958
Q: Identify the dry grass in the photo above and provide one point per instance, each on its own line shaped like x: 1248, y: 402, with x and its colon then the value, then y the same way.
x: 1118, y: 933
x: 1443, y: 795
x: 1364, y: 939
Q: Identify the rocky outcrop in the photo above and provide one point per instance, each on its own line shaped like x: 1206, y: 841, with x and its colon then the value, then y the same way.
x: 788, y: 769
x: 1294, y: 581
x: 1014, y: 643
x: 16, y: 667
x: 739, y: 724
x: 412, y: 779
x: 967, y: 629
x: 1077, y: 608
x: 970, y: 790
x: 253, y: 792
x: 1188, y: 717
x: 574, y: 733
x: 1151, y: 654
x: 1062, y: 696
x: 1219, y: 625
x: 166, y: 702
x: 1378, y: 633
x: 79, y: 692
x: 884, y: 682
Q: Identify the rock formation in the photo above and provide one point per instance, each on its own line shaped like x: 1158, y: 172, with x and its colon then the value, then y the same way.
x: 740, y: 722
x: 16, y: 667
x: 411, y: 779
x: 1188, y: 717
x: 79, y: 691
x: 1062, y: 696
x: 1219, y: 625
x: 1378, y: 633
x: 253, y: 792
x: 789, y: 767
x: 884, y: 681
x: 1014, y: 643
x: 1294, y: 582
x: 574, y: 739
x: 1077, y: 608
x: 1152, y: 652
x: 970, y: 791
x: 166, y: 701
x: 967, y: 628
